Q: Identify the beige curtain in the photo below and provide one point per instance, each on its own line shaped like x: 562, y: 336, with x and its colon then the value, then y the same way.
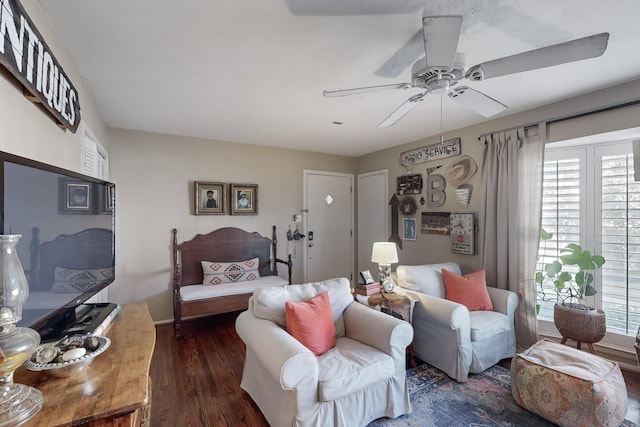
x: 512, y: 173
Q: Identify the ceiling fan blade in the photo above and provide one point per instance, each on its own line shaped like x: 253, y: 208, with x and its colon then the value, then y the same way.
x: 562, y: 53
x: 355, y: 91
x: 402, y: 110
x: 477, y: 101
x: 441, y: 35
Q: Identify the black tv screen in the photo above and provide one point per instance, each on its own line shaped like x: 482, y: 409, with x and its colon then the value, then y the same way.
x: 67, y: 223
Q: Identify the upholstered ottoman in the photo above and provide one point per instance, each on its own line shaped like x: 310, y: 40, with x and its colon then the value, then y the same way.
x: 568, y: 387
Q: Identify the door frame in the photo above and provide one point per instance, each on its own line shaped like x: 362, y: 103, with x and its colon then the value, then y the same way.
x: 387, y: 222
x: 305, y: 216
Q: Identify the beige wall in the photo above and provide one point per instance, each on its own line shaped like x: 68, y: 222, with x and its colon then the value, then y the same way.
x: 154, y: 177
x: 431, y: 248
x: 27, y: 131
x: 155, y: 173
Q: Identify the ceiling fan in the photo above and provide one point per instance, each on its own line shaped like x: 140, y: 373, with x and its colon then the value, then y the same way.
x: 443, y: 67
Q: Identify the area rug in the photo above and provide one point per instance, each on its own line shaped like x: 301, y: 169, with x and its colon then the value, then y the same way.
x: 485, y: 400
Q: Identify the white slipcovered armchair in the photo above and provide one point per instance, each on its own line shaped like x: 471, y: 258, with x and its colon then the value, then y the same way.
x: 447, y: 335
x: 360, y: 379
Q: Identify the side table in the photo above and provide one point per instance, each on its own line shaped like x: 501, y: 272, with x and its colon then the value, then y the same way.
x: 395, y: 303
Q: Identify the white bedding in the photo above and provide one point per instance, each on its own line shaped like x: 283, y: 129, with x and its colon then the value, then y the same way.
x: 198, y: 292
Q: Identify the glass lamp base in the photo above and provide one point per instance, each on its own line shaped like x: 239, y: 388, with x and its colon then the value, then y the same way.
x: 18, y: 404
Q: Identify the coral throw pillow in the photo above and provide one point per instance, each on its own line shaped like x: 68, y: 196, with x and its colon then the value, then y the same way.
x: 311, y: 323
x: 469, y: 290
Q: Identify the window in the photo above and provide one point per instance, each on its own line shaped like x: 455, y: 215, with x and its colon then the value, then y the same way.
x: 95, y: 160
x: 590, y: 197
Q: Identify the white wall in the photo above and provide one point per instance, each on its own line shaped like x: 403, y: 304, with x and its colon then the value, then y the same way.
x: 154, y: 177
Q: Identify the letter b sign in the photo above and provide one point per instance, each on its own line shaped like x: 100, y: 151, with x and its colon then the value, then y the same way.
x: 435, y: 191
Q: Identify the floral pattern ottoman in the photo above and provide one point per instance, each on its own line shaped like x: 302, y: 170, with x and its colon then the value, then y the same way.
x: 568, y: 387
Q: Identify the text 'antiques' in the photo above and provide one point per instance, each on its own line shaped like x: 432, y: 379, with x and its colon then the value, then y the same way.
x: 26, y: 55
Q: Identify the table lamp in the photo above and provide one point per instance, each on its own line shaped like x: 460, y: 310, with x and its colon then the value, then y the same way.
x: 385, y: 254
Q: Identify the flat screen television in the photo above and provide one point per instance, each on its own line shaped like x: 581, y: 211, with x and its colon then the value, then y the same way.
x: 67, y: 248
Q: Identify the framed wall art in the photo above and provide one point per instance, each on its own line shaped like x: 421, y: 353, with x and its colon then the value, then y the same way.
x: 244, y: 199
x: 75, y: 196
x: 107, y: 199
x: 409, y: 184
x: 435, y: 223
x: 209, y: 198
x: 409, y: 228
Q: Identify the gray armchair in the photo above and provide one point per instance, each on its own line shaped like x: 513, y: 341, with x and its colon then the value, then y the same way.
x: 447, y: 335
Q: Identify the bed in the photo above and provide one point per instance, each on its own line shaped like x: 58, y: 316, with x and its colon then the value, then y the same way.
x: 65, y: 270
x: 222, y: 247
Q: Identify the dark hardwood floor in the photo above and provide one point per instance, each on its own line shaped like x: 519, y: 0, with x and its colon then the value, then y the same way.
x: 196, y: 380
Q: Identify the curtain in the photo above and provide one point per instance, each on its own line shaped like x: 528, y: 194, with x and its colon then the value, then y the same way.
x: 512, y: 173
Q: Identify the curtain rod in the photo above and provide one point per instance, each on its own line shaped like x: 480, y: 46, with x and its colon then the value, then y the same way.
x: 569, y: 117
x: 530, y: 125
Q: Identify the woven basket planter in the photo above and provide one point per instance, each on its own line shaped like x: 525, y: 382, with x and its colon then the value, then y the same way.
x: 580, y: 325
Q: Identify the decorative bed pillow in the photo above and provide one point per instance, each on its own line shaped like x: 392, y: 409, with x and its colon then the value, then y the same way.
x: 469, y: 290
x: 67, y: 280
x: 216, y: 273
x: 311, y: 323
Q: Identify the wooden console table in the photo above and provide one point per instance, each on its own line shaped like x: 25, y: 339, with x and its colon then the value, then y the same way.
x: 114, y: 390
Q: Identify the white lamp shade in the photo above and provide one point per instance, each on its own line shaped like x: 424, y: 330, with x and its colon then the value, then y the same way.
x: 384, y: 253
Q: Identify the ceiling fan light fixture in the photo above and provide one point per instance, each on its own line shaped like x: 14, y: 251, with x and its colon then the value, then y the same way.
x: 438, y: 86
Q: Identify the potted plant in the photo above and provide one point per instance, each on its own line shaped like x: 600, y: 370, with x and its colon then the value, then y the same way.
x: 572, y: 275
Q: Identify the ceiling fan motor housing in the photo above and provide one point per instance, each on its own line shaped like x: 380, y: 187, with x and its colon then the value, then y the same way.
x: 437, y: 80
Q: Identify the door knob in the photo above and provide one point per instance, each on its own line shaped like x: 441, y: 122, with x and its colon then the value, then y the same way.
x: 310, y: 244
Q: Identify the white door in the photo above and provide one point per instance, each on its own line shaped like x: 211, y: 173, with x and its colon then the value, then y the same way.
x: 373, y: 216
x: 328, y: 200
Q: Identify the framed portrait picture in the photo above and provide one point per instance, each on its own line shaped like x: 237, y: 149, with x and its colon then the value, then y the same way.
x: 409, y: 229
x: 366, y: 277
x: 108, y: 199
x: 75, y: 196
x: 244, y: 199
x: 209, y: 198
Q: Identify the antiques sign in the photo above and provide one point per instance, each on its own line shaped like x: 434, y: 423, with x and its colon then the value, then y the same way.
x: 437, y: 151
x: 26, y: 55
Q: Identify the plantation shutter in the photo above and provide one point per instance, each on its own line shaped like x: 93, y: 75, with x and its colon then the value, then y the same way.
x: 620, y: 234
x: 561, y: 205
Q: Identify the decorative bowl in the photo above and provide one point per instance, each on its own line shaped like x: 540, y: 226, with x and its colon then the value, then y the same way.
x: 71, y: 367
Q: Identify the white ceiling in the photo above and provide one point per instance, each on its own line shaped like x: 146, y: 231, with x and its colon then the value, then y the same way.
x: 254, y: 71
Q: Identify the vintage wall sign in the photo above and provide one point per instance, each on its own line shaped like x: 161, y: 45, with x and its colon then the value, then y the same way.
x: 430, y: 152
x: 26, y: 55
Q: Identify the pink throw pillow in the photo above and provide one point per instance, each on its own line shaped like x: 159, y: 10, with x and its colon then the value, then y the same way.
x: 469, y: 290
x: 311, y: 323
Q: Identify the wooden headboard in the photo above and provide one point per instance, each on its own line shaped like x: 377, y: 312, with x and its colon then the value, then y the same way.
x: 226, y: 244
x: 85, y: 250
